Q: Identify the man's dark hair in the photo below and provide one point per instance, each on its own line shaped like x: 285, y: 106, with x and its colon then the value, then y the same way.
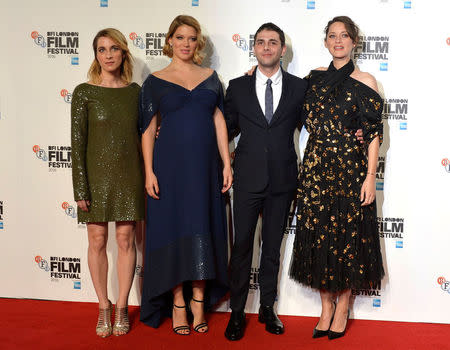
x: 275, y: 28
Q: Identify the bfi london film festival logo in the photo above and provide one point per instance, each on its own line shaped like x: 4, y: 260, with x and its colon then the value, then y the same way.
x: 57, y: 157
x: 292, y: 222
x: 374, y: 294
x: 379, y: 184
x: 446, y: 164
x: 290, y: 230
x: 254, y: 279
x: 152, y: 43
x: 245, y: 44
x: 445, y: 285
x: 59, y: 44
x: 69, y: 210
x: 1, y: 215
x: 373, y: 48
x: 66, y: 95
x: 392, y: 229
x: 61, y: 268
x: 396, y: 109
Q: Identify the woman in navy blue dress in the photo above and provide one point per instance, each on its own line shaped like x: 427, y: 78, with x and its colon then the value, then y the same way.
x: 186, y: 236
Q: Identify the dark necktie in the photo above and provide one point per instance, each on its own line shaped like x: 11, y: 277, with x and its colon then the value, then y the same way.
x: 269, y: 101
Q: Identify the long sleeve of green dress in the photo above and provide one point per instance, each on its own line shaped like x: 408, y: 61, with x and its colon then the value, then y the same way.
x: 79, y: 133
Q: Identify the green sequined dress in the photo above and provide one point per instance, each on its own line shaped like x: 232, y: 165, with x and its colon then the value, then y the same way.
x: 106, y: 160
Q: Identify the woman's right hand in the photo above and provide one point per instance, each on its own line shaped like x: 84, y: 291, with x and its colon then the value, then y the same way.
x: 151, y: 185
x: 251, y: 71
x: 84, y: 205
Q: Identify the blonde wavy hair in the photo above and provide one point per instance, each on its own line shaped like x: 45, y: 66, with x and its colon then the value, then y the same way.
x: 126, y: 68
x: 191, y: 22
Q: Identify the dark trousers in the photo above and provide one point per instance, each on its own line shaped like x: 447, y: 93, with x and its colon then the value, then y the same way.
x: 246, y: 209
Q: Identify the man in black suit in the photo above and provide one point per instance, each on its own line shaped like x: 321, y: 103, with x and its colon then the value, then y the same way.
x: 265, y: 108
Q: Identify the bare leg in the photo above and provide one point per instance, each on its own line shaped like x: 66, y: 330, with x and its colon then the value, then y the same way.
x: 179, y: 315
x: 327, y: 310
x: 126, y: 263
x: 197, y: 307
x: 126, y: 259
x: 98, y: 263
x: 340, y: 317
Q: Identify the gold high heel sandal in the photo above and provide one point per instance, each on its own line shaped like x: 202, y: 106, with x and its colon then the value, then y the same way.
x: 104, y: 328
x: 121, y: 321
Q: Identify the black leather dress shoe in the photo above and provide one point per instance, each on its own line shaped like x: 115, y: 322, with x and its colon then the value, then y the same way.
x: 236, y: 326
x: 273, y: 323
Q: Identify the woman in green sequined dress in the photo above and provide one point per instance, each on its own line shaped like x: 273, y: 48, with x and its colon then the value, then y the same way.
x: 337, y: 246
x: 106, y: 169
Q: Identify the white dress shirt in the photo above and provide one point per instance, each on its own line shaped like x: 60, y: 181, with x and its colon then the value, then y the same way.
x: 277, y: 82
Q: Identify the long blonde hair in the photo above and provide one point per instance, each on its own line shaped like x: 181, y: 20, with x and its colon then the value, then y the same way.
x: 191, y: 22
x: 126, y: 68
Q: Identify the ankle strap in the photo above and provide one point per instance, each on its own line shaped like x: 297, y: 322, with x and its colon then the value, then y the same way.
x: 179, y: 307
x: 198, y: 301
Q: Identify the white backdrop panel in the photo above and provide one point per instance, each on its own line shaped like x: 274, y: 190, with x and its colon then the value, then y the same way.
x: 406, y: 46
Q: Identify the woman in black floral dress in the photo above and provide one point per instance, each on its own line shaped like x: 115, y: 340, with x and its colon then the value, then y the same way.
x: 337, y: 246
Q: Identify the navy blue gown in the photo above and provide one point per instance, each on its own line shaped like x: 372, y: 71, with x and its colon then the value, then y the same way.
x: 186, y: 232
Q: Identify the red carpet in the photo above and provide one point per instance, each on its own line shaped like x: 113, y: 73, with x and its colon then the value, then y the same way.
x: 36, y: 324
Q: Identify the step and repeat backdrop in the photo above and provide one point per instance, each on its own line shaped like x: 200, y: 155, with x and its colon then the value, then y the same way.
x: 46, y: 52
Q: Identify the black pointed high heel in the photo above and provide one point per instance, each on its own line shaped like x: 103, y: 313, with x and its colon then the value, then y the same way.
x: 317, y: 333
x: 334, y: 335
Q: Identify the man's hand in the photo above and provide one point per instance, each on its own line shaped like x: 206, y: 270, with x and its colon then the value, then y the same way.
x: 359, y: 135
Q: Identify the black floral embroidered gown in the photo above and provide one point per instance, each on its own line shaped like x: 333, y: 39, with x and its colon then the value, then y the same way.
x: 337, y: 245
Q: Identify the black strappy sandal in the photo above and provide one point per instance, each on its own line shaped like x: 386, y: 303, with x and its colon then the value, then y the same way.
x: 200, y: 325
x: 180, y: 328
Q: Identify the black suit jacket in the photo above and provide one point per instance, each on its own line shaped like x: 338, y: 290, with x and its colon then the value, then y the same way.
x: 265, y: 154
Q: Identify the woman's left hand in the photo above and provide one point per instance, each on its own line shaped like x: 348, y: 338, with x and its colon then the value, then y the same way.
x: 368, y: 190
x: 227, y: 179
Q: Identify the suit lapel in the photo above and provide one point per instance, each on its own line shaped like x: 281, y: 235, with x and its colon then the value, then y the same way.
x: 283, y: 99
x: 255, y: 106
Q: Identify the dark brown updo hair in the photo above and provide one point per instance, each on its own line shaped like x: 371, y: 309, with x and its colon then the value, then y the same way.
x: 350, y: 26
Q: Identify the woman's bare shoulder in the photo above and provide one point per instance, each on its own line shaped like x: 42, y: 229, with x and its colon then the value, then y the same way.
x: 163, y: 73
x: 207, y: 70
x: 366, y: 78
x: 204, y: 72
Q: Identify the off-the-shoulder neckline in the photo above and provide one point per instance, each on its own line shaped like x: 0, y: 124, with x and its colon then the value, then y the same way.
x: 358, y: 81
x: 367, y: 86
